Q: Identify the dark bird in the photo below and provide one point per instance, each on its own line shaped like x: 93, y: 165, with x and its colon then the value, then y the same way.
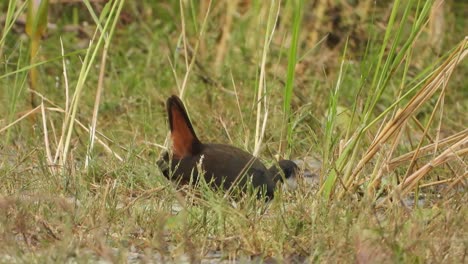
x: 224, y: 166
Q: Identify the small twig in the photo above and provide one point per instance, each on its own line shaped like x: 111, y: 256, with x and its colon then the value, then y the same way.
x: 444, y: 157
x: 406, y: 157
x: 32, y: 111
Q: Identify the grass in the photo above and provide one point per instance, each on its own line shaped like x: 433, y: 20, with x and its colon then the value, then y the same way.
x: 375, y: 91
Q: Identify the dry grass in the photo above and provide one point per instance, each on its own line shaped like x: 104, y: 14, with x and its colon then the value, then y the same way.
x: 379, y: 95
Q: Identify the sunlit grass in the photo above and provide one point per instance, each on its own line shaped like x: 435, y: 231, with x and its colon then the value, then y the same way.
x: 384, y: 113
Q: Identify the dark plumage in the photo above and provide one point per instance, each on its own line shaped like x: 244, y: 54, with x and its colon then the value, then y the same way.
x: 223, y: 164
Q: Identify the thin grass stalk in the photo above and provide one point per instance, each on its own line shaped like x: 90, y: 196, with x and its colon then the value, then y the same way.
x: 58, y: 109
x: 425, y: 133
x: 20, y: 80
x: 420, y: 23
x: 97, y: 21
x: 441, y: 117
x: 367, y: 108
x: 297, y: 6
x: 193, y: 16
x: 54, y: 132
x: 329, y: 182
x: 449, y: 154
x: 100, y: 88
x: 37, y: 64
x: 36, y: 26
x: 375, y: 183
x: 403, y: 79
x: 432, y: 85
x: 440, y: 182
x: 440, y: 78
x: 458, y: 180
x: 391, y: 64
x: 10, y: 18
x: 50, y: 165
x: 186, y: 54
x: 244, y: 127
x: 189, y: 66
x: 261, y: 90
x: 350, y: 152
x: 97, y: 101
x: 33, y: 74
x: 416, y: 30
x: 395, y: 162
x: 59, y: 150
x: 380, y: 80
x: 27, y: 114
x: 87, y: 65
x: 431, y: 140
